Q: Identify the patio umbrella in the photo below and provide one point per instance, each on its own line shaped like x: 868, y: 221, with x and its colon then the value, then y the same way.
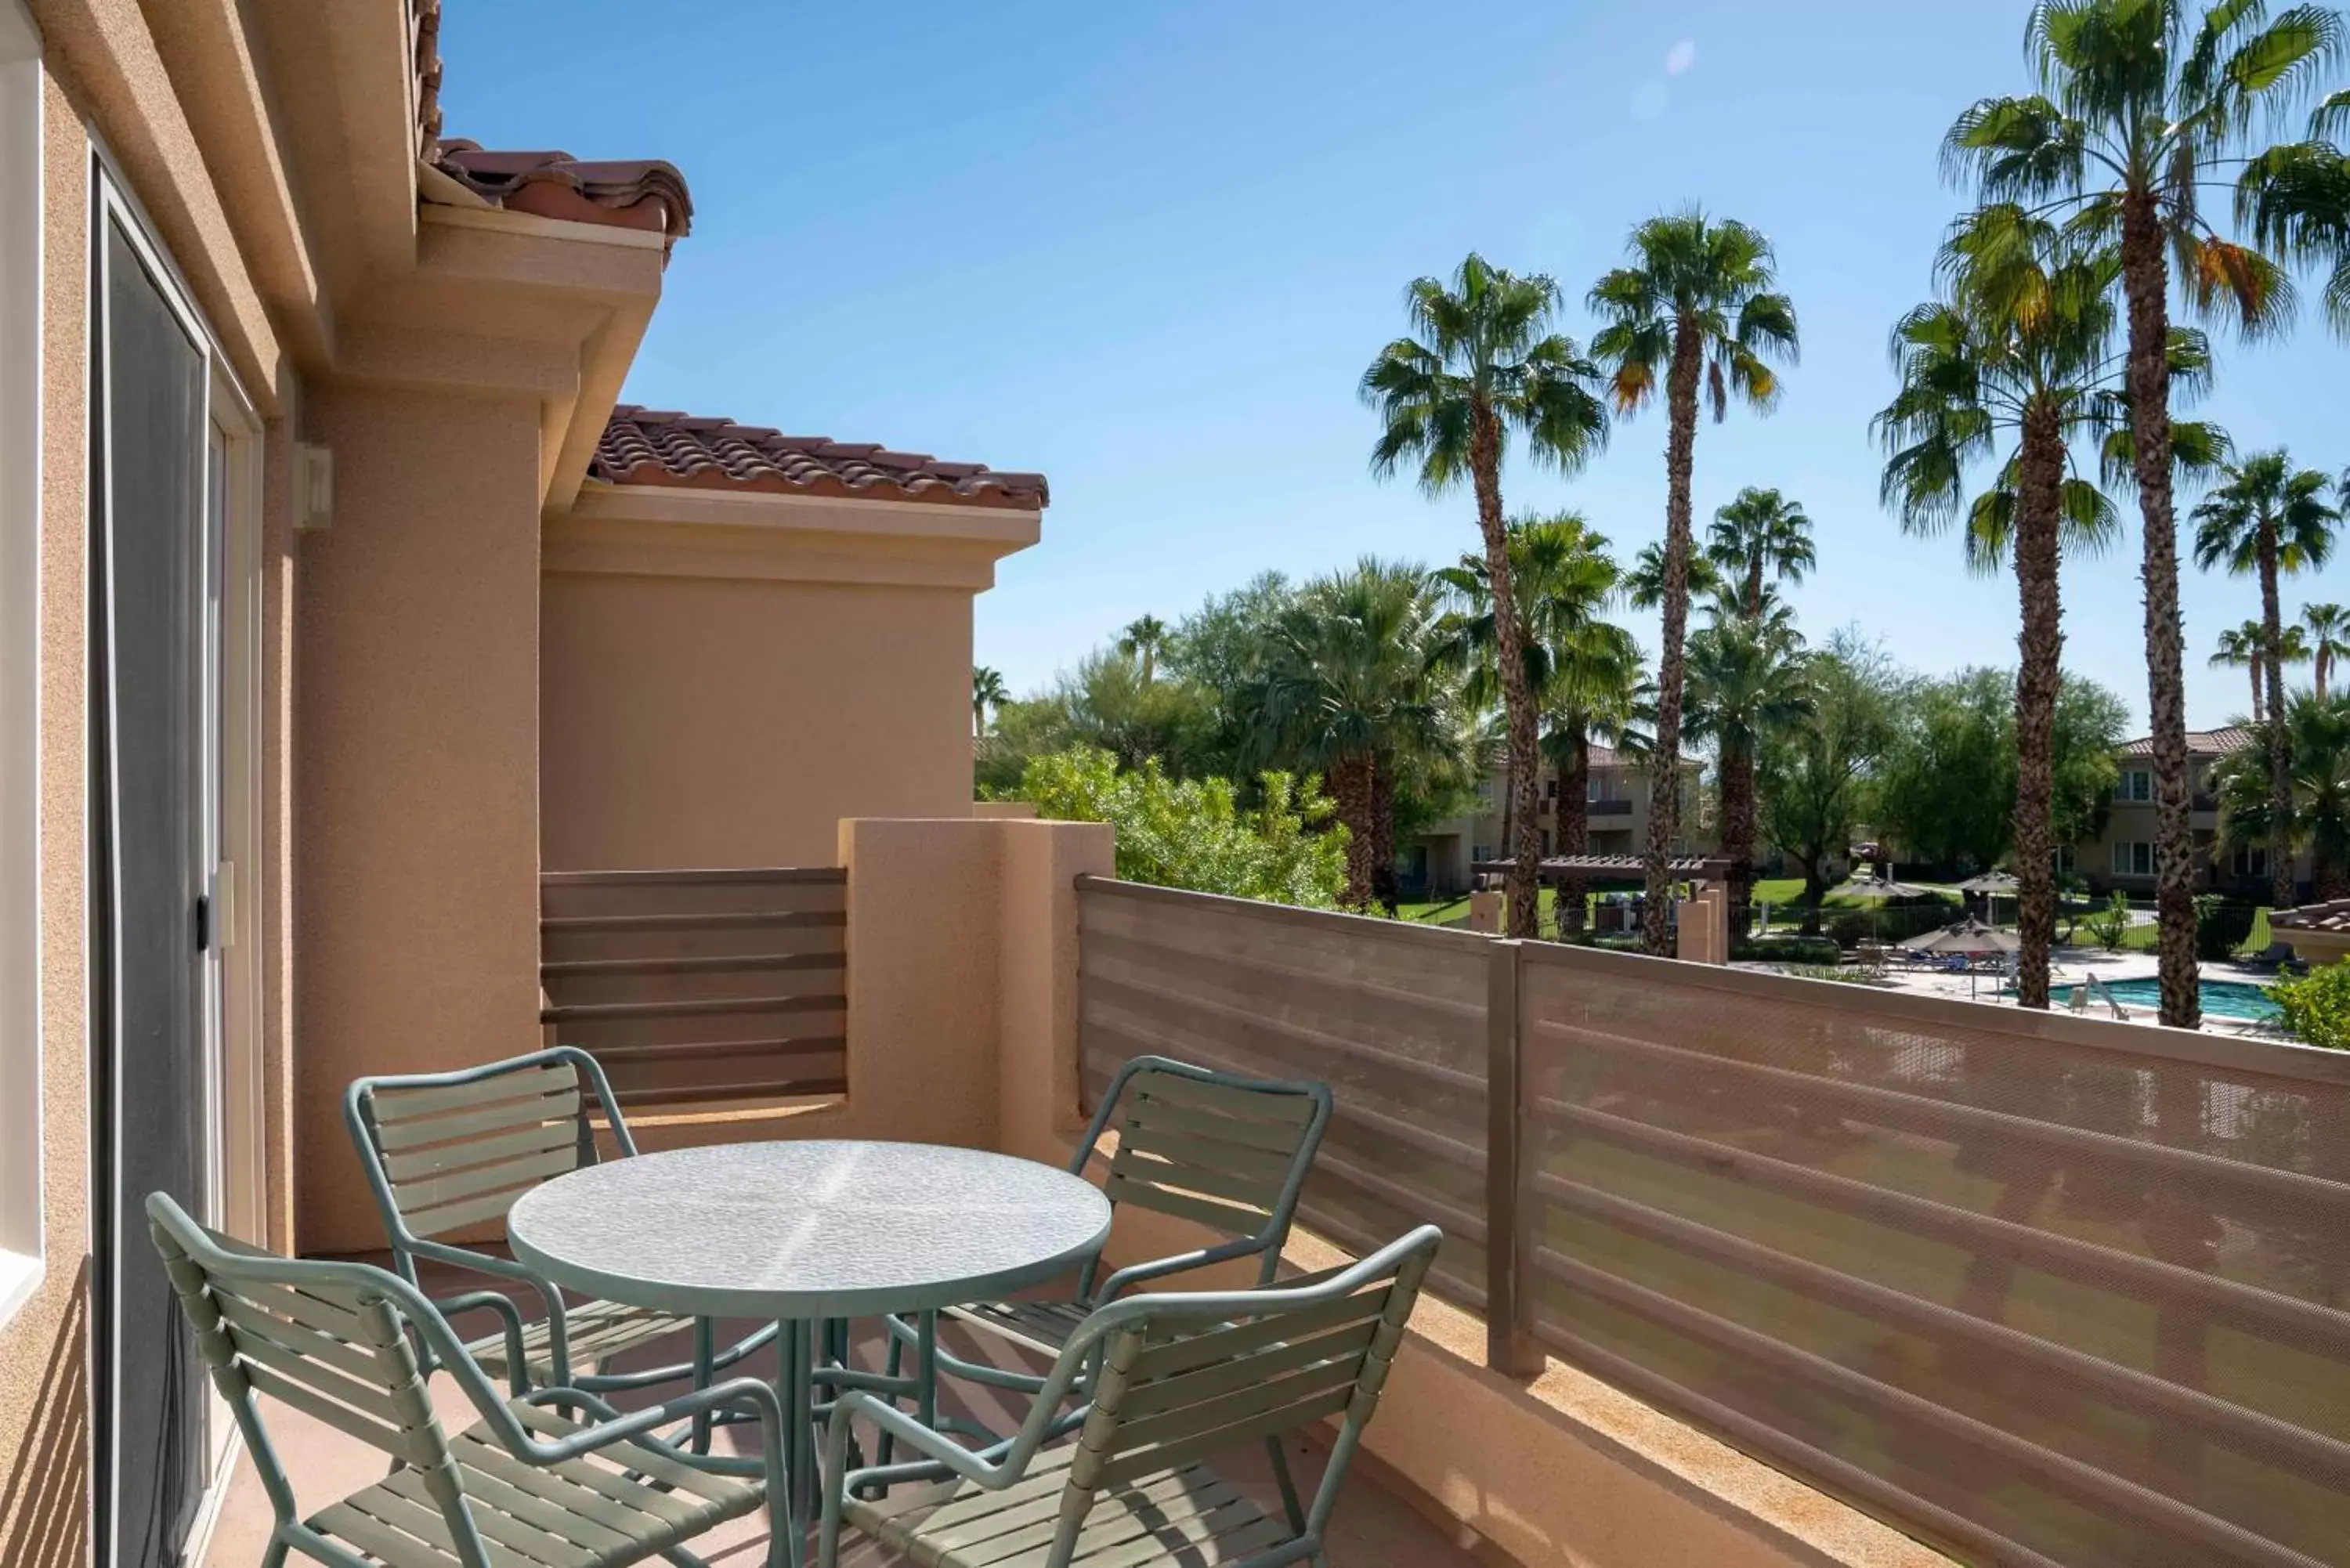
x: 1967, y: 936
x: 1990, y: 887
x: 1879, y: 887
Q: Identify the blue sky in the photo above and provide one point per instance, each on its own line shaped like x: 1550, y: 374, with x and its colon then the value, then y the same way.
x: 1150, y: 249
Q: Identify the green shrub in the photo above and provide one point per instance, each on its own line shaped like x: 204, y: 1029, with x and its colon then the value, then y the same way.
x: 1848, y: 928
x: 2109, y: 924
x: 1811, y: 950
x: 1890, y: 923
x: 2317, y: 1006
x: 2221, y: 926
x: 1192, y: 833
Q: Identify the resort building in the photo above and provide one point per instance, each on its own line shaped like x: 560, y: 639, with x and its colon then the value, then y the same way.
x: 1616, y: 802
x: 2121, y: 857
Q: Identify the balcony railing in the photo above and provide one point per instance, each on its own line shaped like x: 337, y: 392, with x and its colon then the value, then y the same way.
x: 699, y: 987
x: 1611, y: 808
x: 2044, y: 1289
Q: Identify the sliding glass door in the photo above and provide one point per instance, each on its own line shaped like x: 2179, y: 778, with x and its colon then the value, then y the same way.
x: 162, y: 470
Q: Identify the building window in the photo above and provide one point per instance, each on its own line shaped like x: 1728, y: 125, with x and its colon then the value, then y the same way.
x: 2134, y: 859
x: 1545, y: 843
x: 20, y: 495
x: 1479, y: 856
x: 1592, y: 792
x: 2067, y: 861
x: 2135, y: 784
x: 1550, y: 789
x: 2250, y: 863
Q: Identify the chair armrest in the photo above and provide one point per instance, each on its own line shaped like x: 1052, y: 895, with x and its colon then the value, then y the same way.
x: 558, y: 1338
x: 614, y: 1426
x: 509, y: 1322
x: 1181, y: 1262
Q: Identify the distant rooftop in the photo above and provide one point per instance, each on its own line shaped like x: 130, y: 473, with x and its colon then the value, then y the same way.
x: 2200, y: 743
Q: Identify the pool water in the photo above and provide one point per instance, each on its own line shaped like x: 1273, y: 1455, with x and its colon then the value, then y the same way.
x: 2221, y: 997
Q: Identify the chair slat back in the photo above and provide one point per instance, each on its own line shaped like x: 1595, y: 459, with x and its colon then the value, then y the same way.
x: 1223, y: 1153
x: 324, y: 1345
x: 1171, y: 1391
x: 453, y: 1156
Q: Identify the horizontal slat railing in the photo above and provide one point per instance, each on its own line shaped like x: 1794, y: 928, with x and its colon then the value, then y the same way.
x: 700, y: 987
x: 1390, y: 1016
x: 2046, y: 1289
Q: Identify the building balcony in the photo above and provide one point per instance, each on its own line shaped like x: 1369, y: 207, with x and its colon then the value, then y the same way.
x: 1611, y: 808
x: 1739, y: 1270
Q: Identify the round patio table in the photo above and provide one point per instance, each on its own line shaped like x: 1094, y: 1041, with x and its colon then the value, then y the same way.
x: 808, y: 1233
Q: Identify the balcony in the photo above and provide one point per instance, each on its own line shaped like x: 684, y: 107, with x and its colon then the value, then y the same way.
x: 1611, y: 808
x: 1740, y: 1269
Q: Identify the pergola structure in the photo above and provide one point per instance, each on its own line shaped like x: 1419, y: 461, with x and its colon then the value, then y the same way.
x: 1558, y: 869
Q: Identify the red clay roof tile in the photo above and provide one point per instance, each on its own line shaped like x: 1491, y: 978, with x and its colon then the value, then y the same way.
x: 2200, y: 743
x: 647, y: 446
x: 646, y: 194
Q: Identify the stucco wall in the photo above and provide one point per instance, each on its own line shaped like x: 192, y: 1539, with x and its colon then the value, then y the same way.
x: 416, y: 782
x: 707, y: 721
x: 44, y: 1405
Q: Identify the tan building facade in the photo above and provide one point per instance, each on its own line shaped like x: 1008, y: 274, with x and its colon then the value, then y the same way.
x: 340, y: 597
x: 2121, y: 857
x: 1616, y: 802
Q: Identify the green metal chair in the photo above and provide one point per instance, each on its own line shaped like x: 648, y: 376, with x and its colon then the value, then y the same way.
x: 529, y: 1485
x: 1182, y: 1377
x: 449, y: 1151
x: 1226, y: 1152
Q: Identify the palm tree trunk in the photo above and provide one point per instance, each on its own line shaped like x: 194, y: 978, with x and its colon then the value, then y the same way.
x: 1738, y: 831
x: 2037, y: 677
x: 2279, y: 760
x: 1574, y: 824
x: 1664, y: 771
x: 2146, y: 279
x: 1517, y: 702
x: 1755, y: 588
x: 2320, y: 667
x: 2260, y: 677
x: 1351, y: 793
x: 1383, y: 840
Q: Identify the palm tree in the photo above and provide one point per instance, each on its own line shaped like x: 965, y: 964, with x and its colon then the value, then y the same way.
x: 1745, y: 685
x: 1697, y: 305
x: 2239, y: 648
x: 1142, y: 638
x: 1597, y: 693
x: 1576, y: 664
x: 2268, y: 519
x: 1761, y: 534
x: 987, y: 693
x: 2295, y: 200
x: 1348, y: 688
x: 2018, y: 353
x: 2137, y: 110
x: 2328, y: 627
x: 2317, y: 806
x: 1480, y: 364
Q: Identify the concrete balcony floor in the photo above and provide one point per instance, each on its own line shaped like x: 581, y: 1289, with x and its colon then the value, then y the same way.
x: 1373, y: 1529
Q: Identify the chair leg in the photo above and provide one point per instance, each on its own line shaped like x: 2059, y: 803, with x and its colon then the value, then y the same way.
x: 1282, y: 1478
x: 891, y: 1366
x: 705, y: 1350
x: 275, y: 1555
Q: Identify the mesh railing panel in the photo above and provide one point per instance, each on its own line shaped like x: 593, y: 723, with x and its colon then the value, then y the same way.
x: 2029, y: 1284
x: 1391, y: 1017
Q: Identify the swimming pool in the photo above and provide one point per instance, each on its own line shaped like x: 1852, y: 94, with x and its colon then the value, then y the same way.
x: 2221, y: 997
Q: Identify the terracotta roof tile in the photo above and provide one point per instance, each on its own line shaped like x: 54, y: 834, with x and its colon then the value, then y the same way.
x: 646, y: 193
x: 2333, y: 917
x: 646, y: 446
x: 2200, y: 743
